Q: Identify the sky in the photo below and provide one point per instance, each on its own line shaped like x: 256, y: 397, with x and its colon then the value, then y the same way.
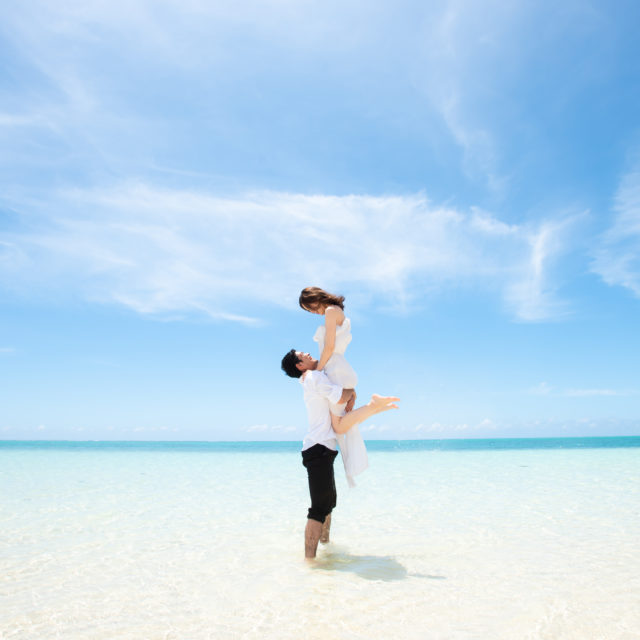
x: 172, y: 174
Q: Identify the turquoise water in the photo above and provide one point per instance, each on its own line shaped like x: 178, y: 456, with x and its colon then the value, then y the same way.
x: 495, y: 444
x: 441, y: 539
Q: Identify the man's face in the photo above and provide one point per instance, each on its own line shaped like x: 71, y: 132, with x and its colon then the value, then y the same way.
x: 306, y: 361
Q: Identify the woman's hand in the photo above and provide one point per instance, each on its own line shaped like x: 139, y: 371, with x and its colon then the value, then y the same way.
x: 351, y: 402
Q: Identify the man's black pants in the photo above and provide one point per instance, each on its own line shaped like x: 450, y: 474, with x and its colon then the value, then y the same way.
x: 318, y: 460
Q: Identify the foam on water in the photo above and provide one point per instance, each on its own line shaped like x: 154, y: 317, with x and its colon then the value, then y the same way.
x: 196, y: 543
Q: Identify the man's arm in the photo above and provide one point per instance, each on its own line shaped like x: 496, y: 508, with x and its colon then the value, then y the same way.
x: 330, y: 391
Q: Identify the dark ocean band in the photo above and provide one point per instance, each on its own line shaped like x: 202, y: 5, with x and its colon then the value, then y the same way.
x: 484, y: 444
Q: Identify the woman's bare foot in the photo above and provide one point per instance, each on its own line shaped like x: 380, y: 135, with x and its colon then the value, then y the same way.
x: 377, y: 404
x: 382, y: 403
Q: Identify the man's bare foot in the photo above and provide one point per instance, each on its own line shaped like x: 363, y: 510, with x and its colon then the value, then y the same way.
x: 382, y: 403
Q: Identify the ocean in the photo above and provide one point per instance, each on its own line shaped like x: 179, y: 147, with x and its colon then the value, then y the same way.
x: 469, y: 539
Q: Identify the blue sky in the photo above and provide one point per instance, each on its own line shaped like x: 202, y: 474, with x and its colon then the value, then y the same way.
x: 172, y: 174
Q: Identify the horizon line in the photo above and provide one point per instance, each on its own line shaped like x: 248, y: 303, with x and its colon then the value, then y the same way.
x: 298, y: 441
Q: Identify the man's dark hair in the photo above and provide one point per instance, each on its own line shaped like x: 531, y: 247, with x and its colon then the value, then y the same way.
x: 289, y: 363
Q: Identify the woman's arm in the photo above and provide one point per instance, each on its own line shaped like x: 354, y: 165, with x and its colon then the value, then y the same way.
x: 331, y: 316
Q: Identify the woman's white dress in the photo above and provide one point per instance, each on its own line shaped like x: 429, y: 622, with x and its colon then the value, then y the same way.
x: 339, y: 371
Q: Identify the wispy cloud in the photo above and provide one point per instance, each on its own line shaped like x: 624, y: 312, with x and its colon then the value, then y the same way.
x: 118, y: 83
x: 583, y: 393
x: 164, y: 251
x: 440, y: 429
x: 19, y: 120
x: 471, y: 70
x: 184, y: 76
x: 459, y: 44
x: 540, y: 428
x: 270, y: 431
x: 541, y: 389
x: 373, y: 429
x: 534, y: 295
x: 544, y: 389
x: 617, y: 260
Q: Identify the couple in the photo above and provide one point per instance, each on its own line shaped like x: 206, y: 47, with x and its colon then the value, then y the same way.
x: 329, y: 395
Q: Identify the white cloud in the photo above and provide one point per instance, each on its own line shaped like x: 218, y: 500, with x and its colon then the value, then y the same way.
x: 548, y: 427
x: 164, y: 251
x: 19, y: 120
x: 582, y: 393
x: 443, y: 429
x: 541, y: 389
x: 486, y: 424
x: 273, y: 429
x: 441, y: 62
x: 617, y: 260
x: 544, y: 389
x: 256, y: 428
x: 533, y: 296
x: 373, y: 429
x: 463, y: 64
x: 433, y: 428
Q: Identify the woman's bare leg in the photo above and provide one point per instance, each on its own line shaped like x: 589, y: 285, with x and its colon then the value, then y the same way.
x: 377, y: 404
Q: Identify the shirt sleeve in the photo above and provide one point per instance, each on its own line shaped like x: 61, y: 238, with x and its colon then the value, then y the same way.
x: 326, y: 388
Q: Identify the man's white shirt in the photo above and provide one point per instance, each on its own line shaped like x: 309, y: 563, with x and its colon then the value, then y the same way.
x: 319, y: 391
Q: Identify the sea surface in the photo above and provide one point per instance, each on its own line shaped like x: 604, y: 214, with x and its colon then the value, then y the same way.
x: 469, y: 539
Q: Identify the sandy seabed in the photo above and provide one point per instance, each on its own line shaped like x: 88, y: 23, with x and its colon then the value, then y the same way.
x: 179, y: 545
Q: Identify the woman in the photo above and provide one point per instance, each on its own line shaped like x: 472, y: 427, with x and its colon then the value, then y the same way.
x: 333, y: 338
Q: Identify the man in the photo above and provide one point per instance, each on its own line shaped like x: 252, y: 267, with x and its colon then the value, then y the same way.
x: 319, y: 447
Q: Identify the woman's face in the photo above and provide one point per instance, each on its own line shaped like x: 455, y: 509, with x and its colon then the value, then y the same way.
x: 316, y: 308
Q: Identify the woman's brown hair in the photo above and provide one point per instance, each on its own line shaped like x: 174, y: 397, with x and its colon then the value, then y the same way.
x: 312, y: 297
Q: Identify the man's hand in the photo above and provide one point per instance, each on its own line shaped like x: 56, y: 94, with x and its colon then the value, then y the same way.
x: 351, y: 402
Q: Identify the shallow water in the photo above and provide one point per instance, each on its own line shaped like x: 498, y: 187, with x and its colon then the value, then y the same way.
x: 207, y: 542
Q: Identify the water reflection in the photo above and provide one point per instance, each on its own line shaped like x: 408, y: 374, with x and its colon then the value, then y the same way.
x: 385, y: 568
